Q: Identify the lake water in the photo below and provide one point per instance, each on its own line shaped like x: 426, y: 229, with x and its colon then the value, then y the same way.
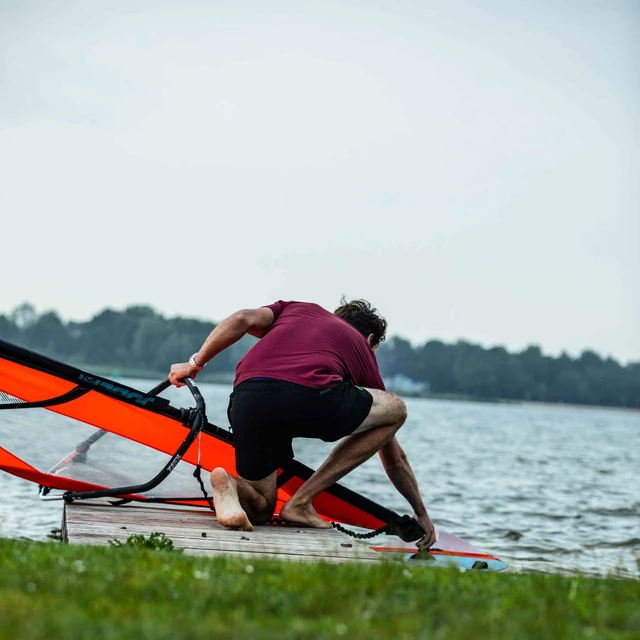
x: 554, y: 489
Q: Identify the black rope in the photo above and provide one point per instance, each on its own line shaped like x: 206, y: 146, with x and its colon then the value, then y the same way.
x: 405, y: 527
x: 198, y: 476
x: 359, y: 536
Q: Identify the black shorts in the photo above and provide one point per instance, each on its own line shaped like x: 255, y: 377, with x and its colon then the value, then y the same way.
x: 265, y: 416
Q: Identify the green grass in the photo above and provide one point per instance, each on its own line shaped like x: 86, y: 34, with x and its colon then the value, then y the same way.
x: 53, y: 591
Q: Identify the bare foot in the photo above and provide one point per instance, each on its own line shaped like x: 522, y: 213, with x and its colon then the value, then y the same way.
x: 225, y: 496
x: 303, y: 516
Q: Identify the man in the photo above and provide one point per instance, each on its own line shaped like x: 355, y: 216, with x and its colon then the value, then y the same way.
x: 313, y: 374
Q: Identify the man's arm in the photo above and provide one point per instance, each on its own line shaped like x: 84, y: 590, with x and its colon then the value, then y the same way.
x: 398, y: 469
x: 254, y: 322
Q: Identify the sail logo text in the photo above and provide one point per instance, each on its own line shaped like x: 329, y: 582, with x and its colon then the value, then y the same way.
x: 124, y: 393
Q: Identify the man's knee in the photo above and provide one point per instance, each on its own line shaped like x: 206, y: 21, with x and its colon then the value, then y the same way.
x: 258, y: 498
x: 399, y: 410
x: 261, y: 516
x: 391, y: 406
x: 388, y: 410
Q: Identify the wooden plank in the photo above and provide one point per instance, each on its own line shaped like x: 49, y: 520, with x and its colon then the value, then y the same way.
x: 237, y: 541
x: 160, y: 516
x: 119, y: 518
x: 198, y: 533
x: 181, y: 538
x: 238, y: 548
x: 178, y: 530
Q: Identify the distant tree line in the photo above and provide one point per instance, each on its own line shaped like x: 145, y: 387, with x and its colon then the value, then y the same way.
x: 139, y: 339
x: 136, y: 340
x: 470, y: 370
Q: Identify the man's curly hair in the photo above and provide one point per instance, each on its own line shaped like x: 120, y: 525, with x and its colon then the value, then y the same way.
x: 365, y: 318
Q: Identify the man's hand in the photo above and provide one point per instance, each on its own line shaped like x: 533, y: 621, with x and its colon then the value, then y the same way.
x: 431, y: 535
x: 181, y: 370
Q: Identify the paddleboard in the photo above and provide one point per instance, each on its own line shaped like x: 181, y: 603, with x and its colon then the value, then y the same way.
x: 448, y: 551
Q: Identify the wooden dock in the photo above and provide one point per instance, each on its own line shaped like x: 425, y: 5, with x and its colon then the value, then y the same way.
x: 198, y: 533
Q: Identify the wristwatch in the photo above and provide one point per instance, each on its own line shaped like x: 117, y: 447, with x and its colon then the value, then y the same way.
x: 193, y: 363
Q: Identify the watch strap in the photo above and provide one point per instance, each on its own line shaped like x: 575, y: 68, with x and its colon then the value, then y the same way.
x: 193, y: 362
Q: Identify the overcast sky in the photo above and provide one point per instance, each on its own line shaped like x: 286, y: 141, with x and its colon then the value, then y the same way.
x: 471, y: 167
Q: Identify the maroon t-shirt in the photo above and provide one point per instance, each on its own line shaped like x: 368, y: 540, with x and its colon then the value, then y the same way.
x: 310, y: 346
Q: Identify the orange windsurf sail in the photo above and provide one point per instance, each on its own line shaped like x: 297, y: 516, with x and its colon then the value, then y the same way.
x: 138, y: 423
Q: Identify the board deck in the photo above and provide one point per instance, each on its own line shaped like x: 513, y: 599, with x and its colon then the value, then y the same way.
x: 448, y: 551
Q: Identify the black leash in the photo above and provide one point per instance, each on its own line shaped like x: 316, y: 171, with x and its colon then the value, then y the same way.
x: 405, y: 527
x: 197, y: 474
